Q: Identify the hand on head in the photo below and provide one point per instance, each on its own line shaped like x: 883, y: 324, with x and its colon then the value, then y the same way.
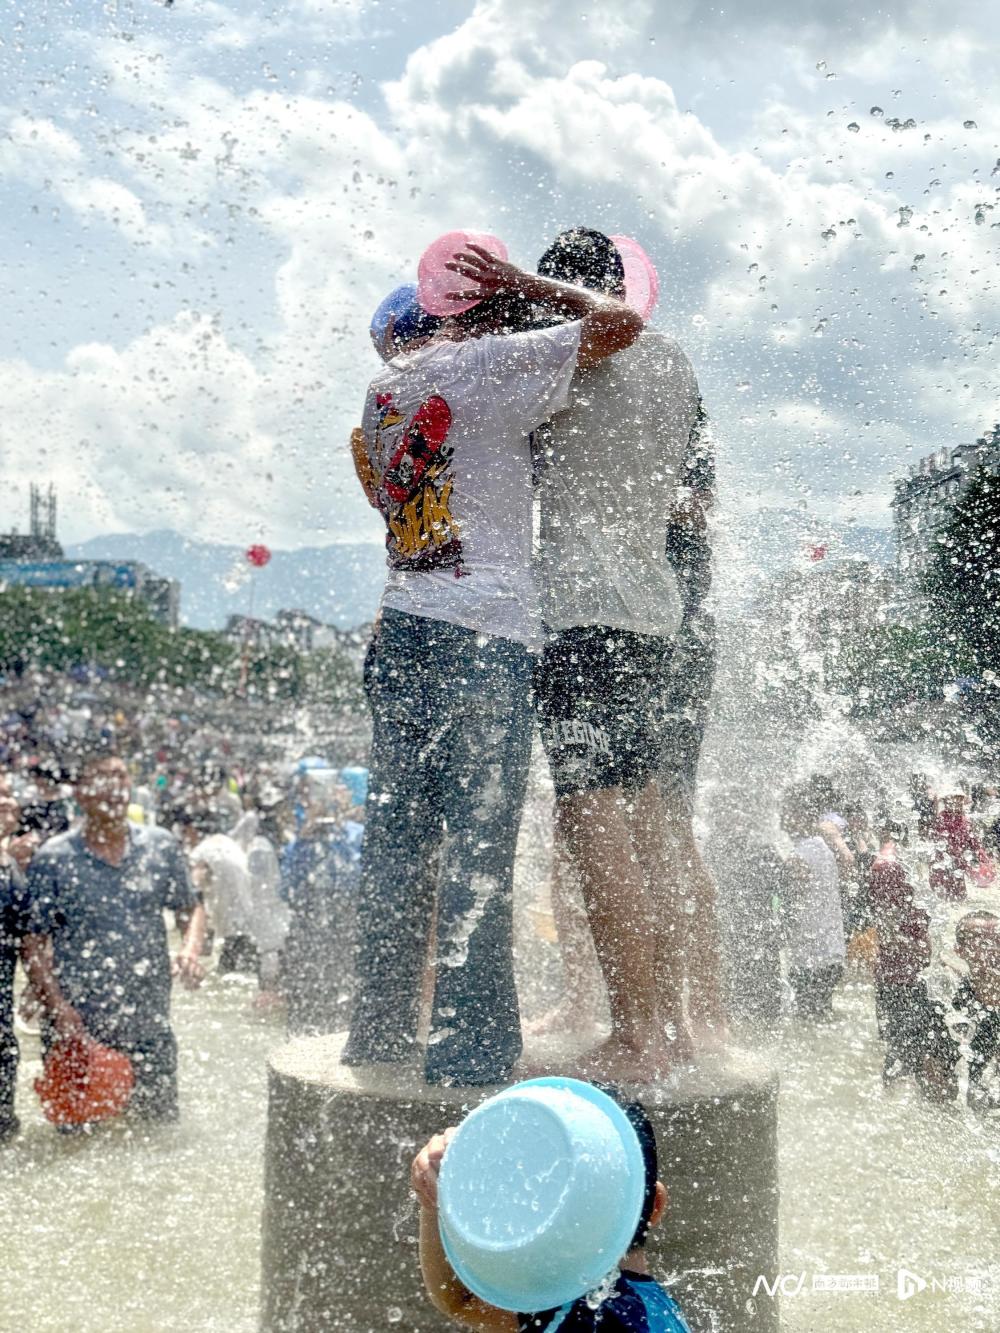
x: 490, y: 273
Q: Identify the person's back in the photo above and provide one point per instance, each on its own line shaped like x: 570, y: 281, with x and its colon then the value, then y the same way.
x: 220, y: 869
x: 609, y: 481
x: 817, y: 934
x: 447, y: 429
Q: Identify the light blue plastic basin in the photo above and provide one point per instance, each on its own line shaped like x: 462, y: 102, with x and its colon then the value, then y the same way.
x: 540, y: 1193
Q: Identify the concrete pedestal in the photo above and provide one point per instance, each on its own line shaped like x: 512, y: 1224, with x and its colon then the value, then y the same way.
x: 340, y: 1226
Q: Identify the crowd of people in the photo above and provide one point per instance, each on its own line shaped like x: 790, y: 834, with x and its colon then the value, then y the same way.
x: 99, y: 840
x: 905, y: 897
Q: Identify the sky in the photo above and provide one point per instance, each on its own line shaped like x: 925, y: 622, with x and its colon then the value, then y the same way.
x: 204, y: 201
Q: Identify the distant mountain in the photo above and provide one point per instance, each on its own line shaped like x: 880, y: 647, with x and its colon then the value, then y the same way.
x: 338, y: 584
x: 341, y: 584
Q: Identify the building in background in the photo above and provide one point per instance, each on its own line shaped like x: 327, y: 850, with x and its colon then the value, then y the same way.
x: 924, y: 501
x: 300, y: 631
x: 35, y: 559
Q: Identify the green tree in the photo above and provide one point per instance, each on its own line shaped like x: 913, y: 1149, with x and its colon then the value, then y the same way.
x: 963, y: 583
x: 115, y: 632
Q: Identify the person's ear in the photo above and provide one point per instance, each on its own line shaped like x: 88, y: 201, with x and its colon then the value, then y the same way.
x: 660, y: 1201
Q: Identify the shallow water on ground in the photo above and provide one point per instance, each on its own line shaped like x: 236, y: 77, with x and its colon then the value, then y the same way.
x: 124, y: 1232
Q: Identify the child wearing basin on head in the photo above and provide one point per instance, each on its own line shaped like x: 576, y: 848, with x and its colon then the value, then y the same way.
x: 633, y: 1303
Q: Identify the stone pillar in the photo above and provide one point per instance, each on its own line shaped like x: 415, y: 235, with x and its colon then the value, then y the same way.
x: 340, y: 1228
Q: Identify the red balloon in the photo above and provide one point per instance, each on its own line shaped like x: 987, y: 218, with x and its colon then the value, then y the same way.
x: 258, y: 556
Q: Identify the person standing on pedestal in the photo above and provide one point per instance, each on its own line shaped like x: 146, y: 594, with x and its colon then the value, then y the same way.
x: 446, y: 428
x: 616, y: 470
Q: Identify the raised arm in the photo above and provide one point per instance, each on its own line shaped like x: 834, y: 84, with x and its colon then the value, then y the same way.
x: 609, y: 326
x: 445, y: 1292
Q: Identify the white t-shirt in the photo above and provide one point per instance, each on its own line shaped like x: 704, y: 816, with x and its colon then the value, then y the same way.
x: 227, y: 885
x: 816, y: 930
x: 269, y: 915
x: 608, y: 482
x: 447, y: 433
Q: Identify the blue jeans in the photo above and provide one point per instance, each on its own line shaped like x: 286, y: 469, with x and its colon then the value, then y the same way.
x: 448, y: 771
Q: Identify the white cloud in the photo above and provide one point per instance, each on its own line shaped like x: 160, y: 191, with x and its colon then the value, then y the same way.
x: 783, y: 264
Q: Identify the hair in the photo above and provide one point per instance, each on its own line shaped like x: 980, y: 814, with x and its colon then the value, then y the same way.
x: 201, y: 818
x: 586, y: 258
x: 802, y: 804
x: 95, y: 748
x: 641, y: 1123
x: 500, y: 312
x: 973, y: 921
x: 48, y: 770
x: 889, y: 827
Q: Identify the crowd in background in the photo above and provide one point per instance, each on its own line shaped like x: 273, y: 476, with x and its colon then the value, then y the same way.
x: 900, y: 898
x: 905, y: 896
x: 108, y: 820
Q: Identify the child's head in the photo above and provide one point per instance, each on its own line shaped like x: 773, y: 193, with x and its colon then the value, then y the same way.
x: 654, y: 1196
x: 891, y: 829
x: 977, y: 943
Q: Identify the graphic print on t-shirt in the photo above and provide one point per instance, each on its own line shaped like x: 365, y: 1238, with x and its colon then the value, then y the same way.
x: 416, y: 483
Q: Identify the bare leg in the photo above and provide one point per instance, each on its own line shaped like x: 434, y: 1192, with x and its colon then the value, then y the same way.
x: 579, y: 1008
x: 699, y: 916
x: 622, y: 920
x: 650, y: 837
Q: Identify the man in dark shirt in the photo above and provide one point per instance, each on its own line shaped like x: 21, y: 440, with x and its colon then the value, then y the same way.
x: 13, y: 928
x: 98, y: 953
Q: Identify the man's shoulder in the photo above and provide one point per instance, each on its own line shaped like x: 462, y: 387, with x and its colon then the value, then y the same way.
x: 657, y: 359
x: 60, y: 847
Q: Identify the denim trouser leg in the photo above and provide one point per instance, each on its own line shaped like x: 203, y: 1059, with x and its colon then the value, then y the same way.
x: 475, y: 1026
x: 451, y: 745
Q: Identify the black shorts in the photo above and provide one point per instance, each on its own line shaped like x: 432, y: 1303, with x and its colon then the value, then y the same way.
x: 688, y: 694
x: 599, y: 696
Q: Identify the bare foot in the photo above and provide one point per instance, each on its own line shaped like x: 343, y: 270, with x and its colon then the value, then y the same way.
x: 615, y: 1062
x: 563, y: 1019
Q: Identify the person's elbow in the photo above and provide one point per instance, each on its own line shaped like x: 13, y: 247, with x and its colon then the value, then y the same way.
x: 608, y: 330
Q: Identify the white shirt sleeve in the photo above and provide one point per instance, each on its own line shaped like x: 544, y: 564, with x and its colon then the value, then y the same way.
x: 527, y: 375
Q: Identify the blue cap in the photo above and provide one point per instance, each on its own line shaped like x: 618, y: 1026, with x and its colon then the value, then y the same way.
x: 412, y: 320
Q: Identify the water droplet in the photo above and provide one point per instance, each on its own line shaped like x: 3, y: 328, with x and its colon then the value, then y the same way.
x: 969, y: 125
x: 854, y: 127
x: 905, y: 214
x: 876, y: 111
x: 394, y: 1314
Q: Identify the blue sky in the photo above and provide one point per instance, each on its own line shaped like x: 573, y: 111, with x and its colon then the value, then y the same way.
x: 204, y: 202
